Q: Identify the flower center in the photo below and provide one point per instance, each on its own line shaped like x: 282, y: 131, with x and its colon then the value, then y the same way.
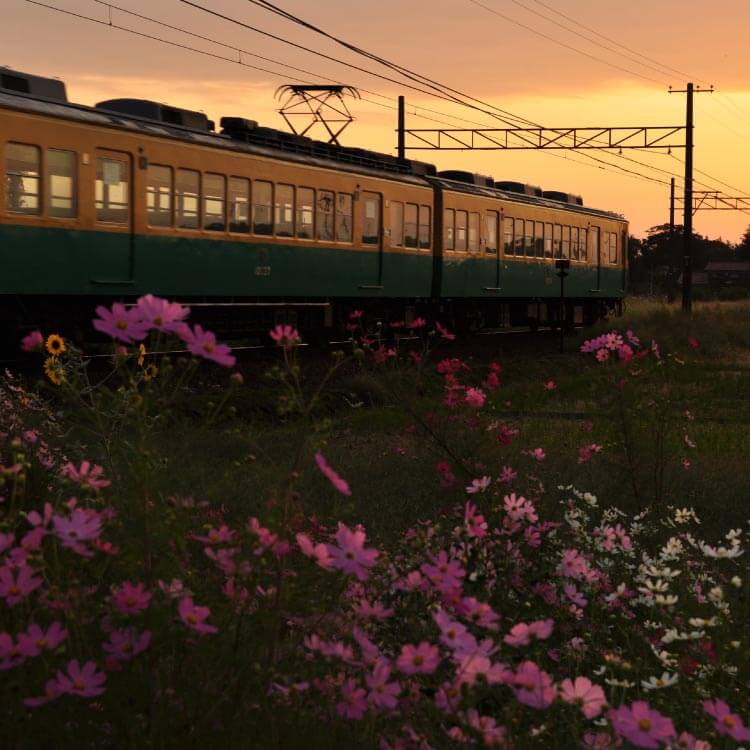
x: 209, y: 348
x: 130, y: 601
x: 78, y: 685
x: 644, y: 725
x: 121, y: 324
x: 14, y: 590
x: 418, y: 660
x: 729, y: 722
x: 192, y: 619
x: 41, y: 643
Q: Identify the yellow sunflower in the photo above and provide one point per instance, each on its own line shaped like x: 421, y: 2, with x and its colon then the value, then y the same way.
x: 150, y: 372
x: 55, y: 345
x: 141, y: 354
x: 54, y: 370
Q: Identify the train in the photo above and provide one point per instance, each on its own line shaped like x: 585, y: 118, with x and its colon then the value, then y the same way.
x: 258, y: 226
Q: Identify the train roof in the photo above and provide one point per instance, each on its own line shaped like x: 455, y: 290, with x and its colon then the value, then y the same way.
x: 276, y: 144
x: 456, y: 186
x: 294, y: 149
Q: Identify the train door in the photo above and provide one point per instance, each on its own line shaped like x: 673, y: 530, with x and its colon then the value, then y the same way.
x: 596, y: 257
x: 110, y: 257
x: 491, y: 247
x: 370, y: 270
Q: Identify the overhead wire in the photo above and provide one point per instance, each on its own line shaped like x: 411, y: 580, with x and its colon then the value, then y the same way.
x: 111, y: 24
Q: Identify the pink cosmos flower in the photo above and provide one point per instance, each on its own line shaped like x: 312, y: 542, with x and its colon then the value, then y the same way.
x: 472, y: 666
x: 418, y: 323
x: 725, y: 722
x: 585, y: 694
x: 349, y: 553
x: 550, y: 385
x: 506, y: 435
x: 507, y: 475
x: 83, y: 681
x: 318, y: 552
x: 686, y: 741
x: 693, y: 342
x: 479, y: 613
x: 383, y: 694
x: 87, y: 475
x: 444, y: 332
x: 447, y: 477
x: 641, y: 725
x: 130, y: 599
x: 475, y: 397
x: 354, y: 703
x: 602, y: 355
x: 474, y: 521
x: 32, y: 342
x: 376, y: 610
x: 453, y: 634
x: 478, y: 485
x: 34, y: 640
x: 121, y: 323
x: 204, y: 344
x: 286, y: 336
x: 82, y: 526
x: 222, y: 535
x: 421, y: 659
x: 194, y: 616
x: 537, y: 453
x: 521, y: 633
x: 445, y: 573
x: 340, y: 484
x: 126, y: 643
x: 585, y: 454
x: 15, y: 589
x: 51, y: 692
x: 10, y: 654
x: 533, y: 686
x: 492, y: 734
x: 160, y: 313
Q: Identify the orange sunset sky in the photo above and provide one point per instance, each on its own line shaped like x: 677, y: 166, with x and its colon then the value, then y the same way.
x: 462, y: 44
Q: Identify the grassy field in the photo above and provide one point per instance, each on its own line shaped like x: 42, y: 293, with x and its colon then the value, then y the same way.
x: 376, y: 428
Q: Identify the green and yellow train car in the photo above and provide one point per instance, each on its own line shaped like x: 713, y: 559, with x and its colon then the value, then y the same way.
x: 131, y: 196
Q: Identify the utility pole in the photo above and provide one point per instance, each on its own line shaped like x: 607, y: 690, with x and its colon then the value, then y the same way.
x: 401, y: 128
x: 672, y: 269
x: 687, y: 223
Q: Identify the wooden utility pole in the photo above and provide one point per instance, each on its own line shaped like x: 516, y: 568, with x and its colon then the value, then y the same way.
x: 401, y: 128
x: 687, y: 223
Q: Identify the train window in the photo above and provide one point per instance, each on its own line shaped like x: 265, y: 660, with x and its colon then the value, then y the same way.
x: 539, y: 239
x: 325, y: 215
x: 262, y: 207
x: 518, y: 237
x: 461, y: 221
x: 491, y: 219
x: 305, y: 213
x: 22, y: 194
x: 214, y: 199
x: 187, y: 198
x: 397, y: 223
x: 344, y: 229
x: 583, y: 245
x: 548, y: 240
x: 566, y: 242
x: 508, y: 236
x: 112, y: 191
x: 595, y: 248
x: 239, y: 204
x: 473, y: 232
x: 284, y: 211
x: 528, y: 240
x: 449, y: 239
x: 574, y: 243
x: 613, y: 248
x: 557, y: 241
x: 411, y: 221
x: 61, y: 184
x: 371, y: 219
x: 425, y: 224
x: 159, y: 196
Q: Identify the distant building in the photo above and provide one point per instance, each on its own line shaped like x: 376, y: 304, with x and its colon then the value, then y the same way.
x: 727, y: 273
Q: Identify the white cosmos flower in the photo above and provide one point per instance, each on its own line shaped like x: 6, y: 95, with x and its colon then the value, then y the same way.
x: 721, y: 553
x: 657, y: 683
x: 736, y: 582
x: 666, y: 601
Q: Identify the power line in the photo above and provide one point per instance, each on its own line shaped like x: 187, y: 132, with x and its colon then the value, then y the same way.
x: 668, y: 68
x: 563, y: 44
x: 111, y: 24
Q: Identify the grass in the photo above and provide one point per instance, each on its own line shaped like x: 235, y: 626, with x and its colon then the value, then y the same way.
x: 372, y: 430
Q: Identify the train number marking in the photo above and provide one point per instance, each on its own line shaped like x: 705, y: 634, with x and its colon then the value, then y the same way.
x: 262, y: 270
